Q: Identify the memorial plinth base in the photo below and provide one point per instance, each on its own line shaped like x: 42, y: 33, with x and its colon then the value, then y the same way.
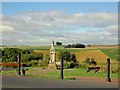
x: 52, y: 66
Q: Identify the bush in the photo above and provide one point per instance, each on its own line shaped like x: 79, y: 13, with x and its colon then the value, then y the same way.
x: 66, y: 64
x: 43, y: 63
x: 10, y: 55
x: 84, y: 66
x: 33, y: 63
x: 73, y: 64
x: 90, y: 61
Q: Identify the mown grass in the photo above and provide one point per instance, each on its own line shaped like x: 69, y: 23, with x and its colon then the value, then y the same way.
x: 112, y: 53
x: 68, y: 74
x: 5, y: 72
x: 80, y: 72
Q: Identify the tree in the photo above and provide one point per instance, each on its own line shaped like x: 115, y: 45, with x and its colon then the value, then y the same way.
x: 65, y: 55
x: 73, y: 57
x: 58, y: 43
x: 69, y: 59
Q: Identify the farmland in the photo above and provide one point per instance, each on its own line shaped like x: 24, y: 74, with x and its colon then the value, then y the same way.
x: 99, y: 53
x: 113, y: 53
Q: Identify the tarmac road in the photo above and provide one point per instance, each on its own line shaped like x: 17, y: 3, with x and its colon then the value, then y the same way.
x: 31, y: 82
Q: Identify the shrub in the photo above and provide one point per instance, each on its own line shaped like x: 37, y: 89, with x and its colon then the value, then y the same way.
x: 90, y: 61
x: 10, y: 55
x: 66, y: 64
x: 43, y: 63
x: 84, y: 66
x: 33, y: 63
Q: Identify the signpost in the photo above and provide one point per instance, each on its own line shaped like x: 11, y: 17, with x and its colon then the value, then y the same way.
x: 108, y: 70
x: 18, y: 57
x: 61, y: 68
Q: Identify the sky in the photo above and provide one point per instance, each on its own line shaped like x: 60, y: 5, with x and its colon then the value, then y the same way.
x: 40, y: 23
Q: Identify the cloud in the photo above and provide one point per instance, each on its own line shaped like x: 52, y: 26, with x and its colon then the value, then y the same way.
x: 112, y: 28
x: 38, y: 28
x: 7, y: 29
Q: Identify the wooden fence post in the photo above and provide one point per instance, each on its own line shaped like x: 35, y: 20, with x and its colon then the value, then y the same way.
x: 108, y: 70
x: 61, y: 68
x: 18, y: 57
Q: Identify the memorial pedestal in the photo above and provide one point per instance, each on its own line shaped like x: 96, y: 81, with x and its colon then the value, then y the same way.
x: 52, y: 66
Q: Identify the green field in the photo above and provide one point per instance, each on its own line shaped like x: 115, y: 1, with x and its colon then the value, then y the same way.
x: 113, y: 53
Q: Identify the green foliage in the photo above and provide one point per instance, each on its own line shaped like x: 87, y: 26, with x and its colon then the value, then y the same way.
x: 10, y: 55
x: 83, y: 66
x: 43, y: 63
x: 58, y: 43
x: 75, y: 46
x: 36, y: 56
x: 67, y: 56
x: 1, y: 53
x: 73, y: 57
x: 66, y: 64
x: 69, y: 59
x: 46, y: 57
x: 26, y: 57
x: 38, y: 63
x: 90, y: 61
x: 33, y: 63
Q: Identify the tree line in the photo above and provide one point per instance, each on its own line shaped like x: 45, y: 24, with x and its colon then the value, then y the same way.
x: 75, y: 46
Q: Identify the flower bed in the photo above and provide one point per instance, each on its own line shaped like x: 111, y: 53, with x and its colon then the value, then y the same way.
x: 11, y: 64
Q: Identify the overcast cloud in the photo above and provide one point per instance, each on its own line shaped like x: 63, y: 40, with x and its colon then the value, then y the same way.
x: 41, y: 28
